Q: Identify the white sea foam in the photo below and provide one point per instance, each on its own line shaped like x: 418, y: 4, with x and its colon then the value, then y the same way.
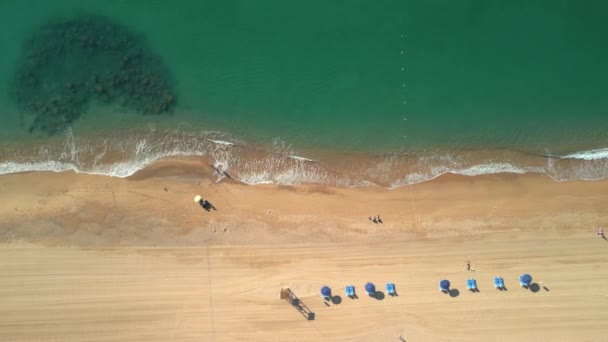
x: 13, y: 167
x: 278, y: 164
x: 222, y: 142
x: 302, y: 158
x: 475, y: 170
x: 600, y: 153
x: 493, y: 168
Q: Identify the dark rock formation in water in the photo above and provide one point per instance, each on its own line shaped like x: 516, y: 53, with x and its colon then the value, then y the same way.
x: 66, y: 65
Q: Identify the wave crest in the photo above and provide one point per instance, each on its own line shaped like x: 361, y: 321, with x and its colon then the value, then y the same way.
x: 278, y: 163
x: 596, y: 154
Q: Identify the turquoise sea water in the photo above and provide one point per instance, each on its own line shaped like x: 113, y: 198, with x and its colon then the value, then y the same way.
x: 419, y: 86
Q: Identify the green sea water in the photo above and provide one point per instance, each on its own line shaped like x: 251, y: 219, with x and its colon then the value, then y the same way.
x: 374, y: 76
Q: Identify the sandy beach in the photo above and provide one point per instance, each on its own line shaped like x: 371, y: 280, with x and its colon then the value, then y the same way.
x: 94, y: 258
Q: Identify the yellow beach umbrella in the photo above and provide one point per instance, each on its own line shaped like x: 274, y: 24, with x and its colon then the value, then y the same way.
x: 197, y: 198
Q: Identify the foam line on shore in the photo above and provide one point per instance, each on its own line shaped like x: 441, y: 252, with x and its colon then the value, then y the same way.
x: 258, y: 164
x: 596, y: 154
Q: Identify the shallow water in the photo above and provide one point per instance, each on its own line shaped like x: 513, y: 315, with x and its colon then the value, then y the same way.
x: 414, y: 89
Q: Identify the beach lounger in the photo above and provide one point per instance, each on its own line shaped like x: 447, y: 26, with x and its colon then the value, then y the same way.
x: 497, y: 283
x: 390, y: 289
x: 472, y: 285
x: 501, y: 282
x: 350, y: 291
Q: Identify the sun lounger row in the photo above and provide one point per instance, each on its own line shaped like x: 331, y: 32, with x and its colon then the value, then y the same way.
x: 444, y: 286
x: 499, y: 283
x: 370, y: 290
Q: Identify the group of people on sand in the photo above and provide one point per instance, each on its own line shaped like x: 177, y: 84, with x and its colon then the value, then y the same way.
x: 468, y: 262
x: 375, y: 219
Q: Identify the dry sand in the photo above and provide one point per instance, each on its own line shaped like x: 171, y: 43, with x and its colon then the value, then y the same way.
x: 92, y: 258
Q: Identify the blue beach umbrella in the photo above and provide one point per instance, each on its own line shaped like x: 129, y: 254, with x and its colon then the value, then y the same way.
x: 326, y: 291
x: 444, y: 285
x: 370, y: 288
x: 525, y: 279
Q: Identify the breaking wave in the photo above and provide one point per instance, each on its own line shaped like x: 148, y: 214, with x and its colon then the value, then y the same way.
x: 600, y: 153
x: 123, y: 155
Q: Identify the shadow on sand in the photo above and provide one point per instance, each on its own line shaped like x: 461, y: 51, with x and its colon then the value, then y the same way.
x: 292, y: 299
x: 534, y: 287
x: 454, y: 293
x: 336, y: 300
x: 379, y: 295
x: 206, y: 205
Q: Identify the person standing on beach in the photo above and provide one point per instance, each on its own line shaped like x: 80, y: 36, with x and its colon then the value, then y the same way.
x: 601, y: 233
x: 468, y: 265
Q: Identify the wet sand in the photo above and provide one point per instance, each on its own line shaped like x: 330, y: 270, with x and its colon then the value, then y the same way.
x: 98, y: 259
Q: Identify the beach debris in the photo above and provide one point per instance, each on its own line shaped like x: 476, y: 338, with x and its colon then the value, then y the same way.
x: 67, y: 65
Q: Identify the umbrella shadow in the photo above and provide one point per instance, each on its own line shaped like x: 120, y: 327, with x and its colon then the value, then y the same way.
x: 336, y: 300
x: 534, y: 287
x: 379, y: 295
x: 454, y: 293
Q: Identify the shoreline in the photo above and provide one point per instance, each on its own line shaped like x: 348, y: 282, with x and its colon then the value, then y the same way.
x: 93, y: 210
x: 124, y: 156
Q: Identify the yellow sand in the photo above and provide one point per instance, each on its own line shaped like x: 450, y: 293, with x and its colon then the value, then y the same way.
x: 91, y: 258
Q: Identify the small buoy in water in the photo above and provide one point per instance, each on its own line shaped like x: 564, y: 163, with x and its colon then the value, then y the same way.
x: 197, y: 198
